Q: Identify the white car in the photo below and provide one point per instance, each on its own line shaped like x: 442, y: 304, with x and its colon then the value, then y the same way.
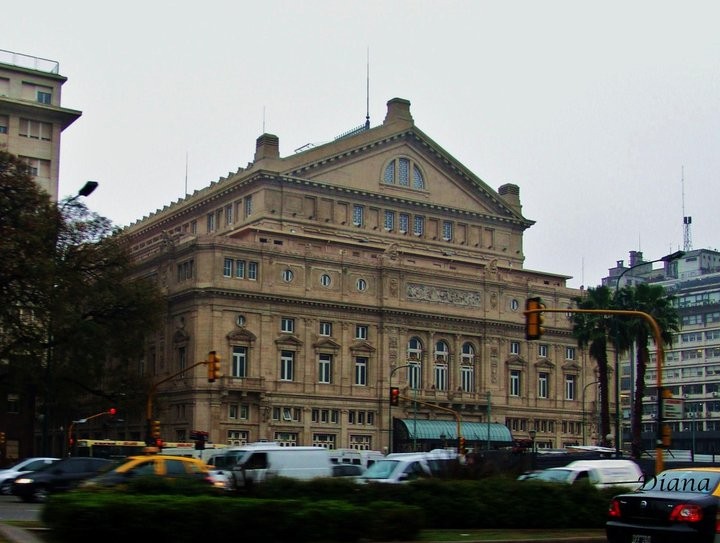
x: 8, y: 475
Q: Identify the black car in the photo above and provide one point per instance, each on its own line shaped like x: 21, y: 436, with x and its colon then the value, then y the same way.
x: 677, y: 506
x: 62, y: 475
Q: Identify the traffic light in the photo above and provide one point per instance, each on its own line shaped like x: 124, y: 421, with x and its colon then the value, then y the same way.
x: 2, y: 438
x: 461, y: 445
x: 213, y: 366
x: 112, y: 411
x: 155, y: 430
x: 394, y: 395
x: 533, y: 321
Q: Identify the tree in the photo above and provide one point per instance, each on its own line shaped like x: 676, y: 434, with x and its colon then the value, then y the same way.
x: 69, y: 303
x: 592, y: 329
x: 653, y: 300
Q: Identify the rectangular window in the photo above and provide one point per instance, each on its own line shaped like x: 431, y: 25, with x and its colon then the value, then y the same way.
x: 543, y: 379
x: 361, y: 332
x: 193, y: 227
x: 325, y: 368
x: 35, y: 130
x: 240, y: 269
x: 414, y: 376
x: 569, y: 353
x: 38, y: 167
x: 4, y: 123
x: 233, y: 411
x: 467, y: 378
x: 440, y: 371
x: 325, y: 329
x: 185, y: 270
x: 419, y: 225
x: 515, y: 347
x: 44, y: 96
x: 252, y: 271
x: 228, y: 214
x: 389, y: 221
x: 358, y: 215
x: 404, y: 223
x: 239, y: 361
x: 228, y: 267
x: 543, y: 350
x: 447, y: 230
x: 182, y: 358
x: 361, y: 369
x: 570, y: 387
x: 287, y: 325
x: 211, y: 222
x: 248, y: 206
x: 287, y: 365
x: 515, y: 383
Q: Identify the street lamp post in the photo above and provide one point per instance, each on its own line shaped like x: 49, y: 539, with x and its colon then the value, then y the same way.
x: 392, y: 372
x: 667, y: 258
x: 532, y: 434
x: 86, y: 190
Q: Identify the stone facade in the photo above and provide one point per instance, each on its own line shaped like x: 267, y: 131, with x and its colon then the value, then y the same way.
x: 323, y: 277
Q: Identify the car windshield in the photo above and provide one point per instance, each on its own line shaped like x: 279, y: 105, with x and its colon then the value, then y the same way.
x: 698, y: 482
x: 382, y: 469
x: 554, y: 475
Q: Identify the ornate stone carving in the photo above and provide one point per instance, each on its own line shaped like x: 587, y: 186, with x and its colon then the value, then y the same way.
x: 442, y: 295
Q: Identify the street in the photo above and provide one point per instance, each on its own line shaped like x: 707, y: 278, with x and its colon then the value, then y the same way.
x: 11, y: 508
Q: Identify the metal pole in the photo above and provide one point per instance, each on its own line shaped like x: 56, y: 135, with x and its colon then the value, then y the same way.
x: 390, y: 429
x: 488, y: 421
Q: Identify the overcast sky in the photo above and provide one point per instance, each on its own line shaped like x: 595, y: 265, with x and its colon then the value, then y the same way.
x: 595, y: 109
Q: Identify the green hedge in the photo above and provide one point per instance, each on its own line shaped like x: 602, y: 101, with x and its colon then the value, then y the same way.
x: 324, y: 510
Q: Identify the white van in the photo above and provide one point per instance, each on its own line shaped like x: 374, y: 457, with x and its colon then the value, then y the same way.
x: 405, y: 467
x: 601, y: 473
x: 258, y: 462
x: 364, y: 459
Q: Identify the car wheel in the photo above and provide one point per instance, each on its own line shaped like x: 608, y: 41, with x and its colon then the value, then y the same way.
x: 6, y: 488
x: 40, y: 494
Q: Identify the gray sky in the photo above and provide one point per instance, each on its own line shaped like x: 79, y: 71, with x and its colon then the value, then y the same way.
x: 594, y: 109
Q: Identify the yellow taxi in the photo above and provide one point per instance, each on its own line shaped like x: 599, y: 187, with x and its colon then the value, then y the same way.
x: 163, y: 466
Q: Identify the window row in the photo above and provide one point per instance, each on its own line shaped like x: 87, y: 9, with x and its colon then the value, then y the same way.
x: 228, y: 214
x: 236, y: 438
x: 542, y: 350
x: 515, y: 385
x: 240, y: 269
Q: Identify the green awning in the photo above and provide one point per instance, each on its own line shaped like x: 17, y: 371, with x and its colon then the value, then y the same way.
x: 446, y: 429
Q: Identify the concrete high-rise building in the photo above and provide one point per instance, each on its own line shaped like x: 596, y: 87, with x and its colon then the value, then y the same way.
x: 325, y: 277
x: 692, y: 363
x: 31, y: 116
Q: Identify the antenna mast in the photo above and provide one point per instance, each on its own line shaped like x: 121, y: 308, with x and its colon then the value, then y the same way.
x: 687, y: 221
x: 367, y: 91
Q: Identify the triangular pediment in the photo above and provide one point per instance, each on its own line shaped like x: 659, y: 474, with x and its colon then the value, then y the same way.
x: 361, y: 162
x: 287, y: 339
x: 544, y: 363
x: 362, y: 346
x: 571, y: 366
x: 515, y: 360
x: 327, y: 344
x: 241, y: 336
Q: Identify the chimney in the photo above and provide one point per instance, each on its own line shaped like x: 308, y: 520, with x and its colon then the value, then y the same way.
x: 398, y: 109
x: 636, y: 257
x: 267, y: 146
x: 511, y: 195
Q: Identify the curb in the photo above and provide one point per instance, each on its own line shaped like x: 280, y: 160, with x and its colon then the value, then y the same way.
x: 18, y: 535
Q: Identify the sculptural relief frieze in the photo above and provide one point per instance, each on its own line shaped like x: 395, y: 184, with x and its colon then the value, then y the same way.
x: 442, y: 295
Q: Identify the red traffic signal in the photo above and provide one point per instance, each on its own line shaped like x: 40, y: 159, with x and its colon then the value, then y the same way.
x: 112, y: 411
x: 394, y: 396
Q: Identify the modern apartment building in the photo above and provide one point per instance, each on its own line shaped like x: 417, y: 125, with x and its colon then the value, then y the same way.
x: 325, y: 277
x: 31, y: 116
x: 692, y: 364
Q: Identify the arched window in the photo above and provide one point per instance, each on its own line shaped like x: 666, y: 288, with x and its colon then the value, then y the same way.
x: 414, y: 356
x: 467, y: 368
x: 440, y: 367
x: 404, y: 172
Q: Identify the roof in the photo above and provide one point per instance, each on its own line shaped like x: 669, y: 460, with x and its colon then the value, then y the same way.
x: 471, y: 431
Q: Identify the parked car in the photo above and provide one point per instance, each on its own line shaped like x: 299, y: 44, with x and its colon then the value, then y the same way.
x: 23, y: 467
x: 677, y: 505
x: 406, y: 467
x: 160, y: 465
x: 62, y: 475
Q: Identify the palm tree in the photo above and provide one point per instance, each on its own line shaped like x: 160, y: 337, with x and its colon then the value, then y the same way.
x: 591, y: 330
x: 653, y: 300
